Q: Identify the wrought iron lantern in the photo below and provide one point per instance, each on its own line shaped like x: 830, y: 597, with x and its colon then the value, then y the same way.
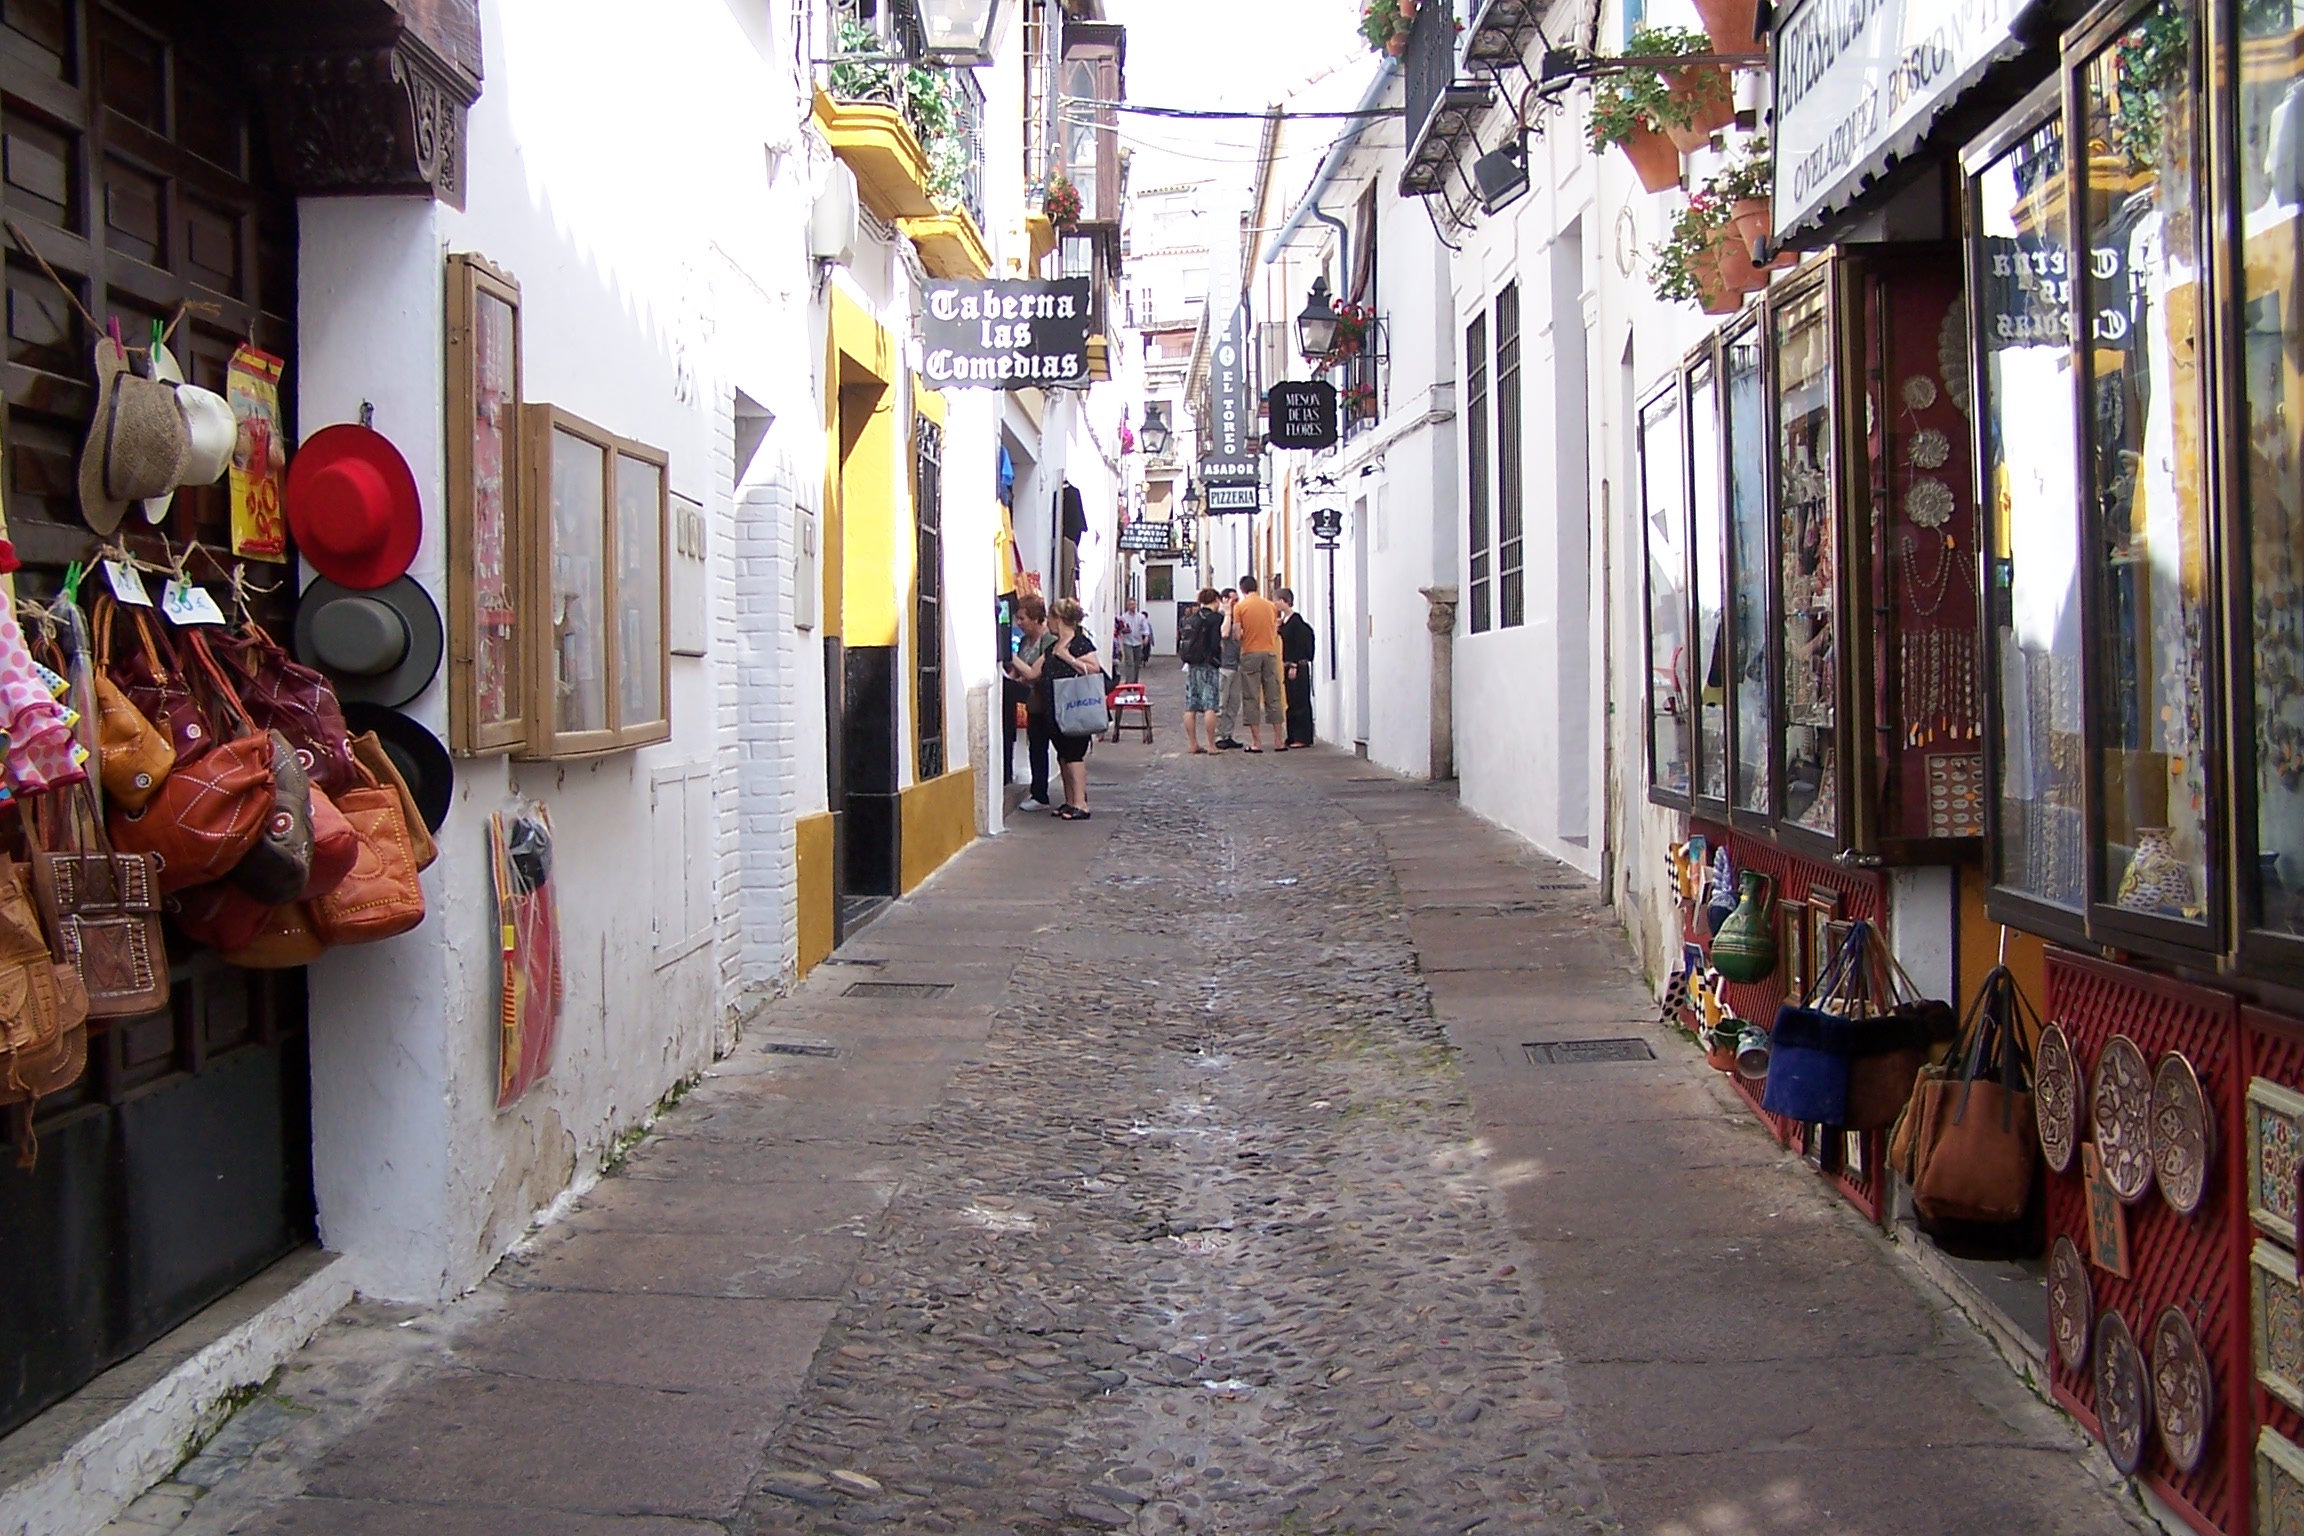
x: 1316, y: 327
x: 958, y: 32
x: 1154, y: 434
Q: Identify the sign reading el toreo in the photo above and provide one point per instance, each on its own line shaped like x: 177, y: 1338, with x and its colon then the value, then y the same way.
x: 1859, y: 82
x: 1230, y: 449
x: 1013, y: 334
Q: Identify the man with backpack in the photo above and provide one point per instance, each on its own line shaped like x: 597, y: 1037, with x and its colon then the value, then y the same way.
x: 1200, y: 645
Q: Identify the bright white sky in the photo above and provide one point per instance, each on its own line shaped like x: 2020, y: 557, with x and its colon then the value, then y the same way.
x: 1238, y: 55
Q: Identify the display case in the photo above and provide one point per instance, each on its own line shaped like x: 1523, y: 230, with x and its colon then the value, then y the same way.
x: 2095, y: 459
x: 1811, y: 534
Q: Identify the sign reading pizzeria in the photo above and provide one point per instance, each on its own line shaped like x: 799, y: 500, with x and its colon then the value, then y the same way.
x: 1026, y: 333
x: 1303, y: 414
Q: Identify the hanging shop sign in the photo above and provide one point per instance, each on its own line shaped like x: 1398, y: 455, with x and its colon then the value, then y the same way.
x: 1234, y: 496
x: 1151, y: 536
x: 1027, y: 333
x: 1327, y: 527
x: 1860, y: 82
x: 1231, y: 442
x: 1303, y: 414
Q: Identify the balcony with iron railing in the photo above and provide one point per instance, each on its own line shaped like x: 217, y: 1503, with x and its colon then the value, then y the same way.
x: 913, y: 134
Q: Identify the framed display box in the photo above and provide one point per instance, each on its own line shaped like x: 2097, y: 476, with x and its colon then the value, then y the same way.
x: 1751, y: 600
x: 1708, y: 581
x: 1664, y: 525
x: 488, y: 705
x: 597, y: 574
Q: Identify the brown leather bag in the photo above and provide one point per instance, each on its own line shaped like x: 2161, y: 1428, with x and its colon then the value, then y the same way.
x: 152, y: 681
x: 133, y: 755
x: 368, y: 747
x: 43, y: 1010
x: 383, y: 895
x: 286, y: 940
x: 281, y: 694
x: 219, y: 914
x: 335, y: 847
x: 1973, y: 1147
x: 215, y: 805
x: 101, y: 909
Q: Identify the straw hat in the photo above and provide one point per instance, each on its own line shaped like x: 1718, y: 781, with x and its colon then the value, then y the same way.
x: 137, y: 441
x: 208, y: 420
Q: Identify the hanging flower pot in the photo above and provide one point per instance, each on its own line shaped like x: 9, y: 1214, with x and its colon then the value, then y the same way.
x: 1730, y: 25
x: 1396, y: 44
x: 1655, y: 159
x: 1737, y: 271
x: 1702, y: 103
x: 1407, y: 9
x: 1753, y: 218
x: 1714, y: 295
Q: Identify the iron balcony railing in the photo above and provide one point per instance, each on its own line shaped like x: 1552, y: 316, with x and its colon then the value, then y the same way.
x: 944, y: 108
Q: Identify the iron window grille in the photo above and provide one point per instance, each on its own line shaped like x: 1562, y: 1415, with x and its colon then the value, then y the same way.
x: 928, y: 614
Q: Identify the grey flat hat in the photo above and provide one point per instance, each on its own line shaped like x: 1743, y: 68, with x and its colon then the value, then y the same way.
x: 381, y: 647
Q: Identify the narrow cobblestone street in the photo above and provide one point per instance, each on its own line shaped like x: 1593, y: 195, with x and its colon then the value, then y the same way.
x: 1184, y: 1170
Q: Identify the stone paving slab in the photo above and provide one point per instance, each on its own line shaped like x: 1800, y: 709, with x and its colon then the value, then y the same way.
x: 1218, y: 1197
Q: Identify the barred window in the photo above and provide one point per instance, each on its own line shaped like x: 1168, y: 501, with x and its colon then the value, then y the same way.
x: 1476, y: 464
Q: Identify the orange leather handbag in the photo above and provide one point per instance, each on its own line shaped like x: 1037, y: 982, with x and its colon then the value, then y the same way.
x: 383, y: 895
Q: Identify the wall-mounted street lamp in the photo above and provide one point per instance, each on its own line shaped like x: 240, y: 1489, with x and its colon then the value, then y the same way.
x: 1316, y: 327
x: 1154, y: 433
x: 1193, y: 500
x: 958, y: 32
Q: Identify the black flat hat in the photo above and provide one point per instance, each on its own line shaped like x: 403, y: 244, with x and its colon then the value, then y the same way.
x: 380, y: 647
x: 419, y: 755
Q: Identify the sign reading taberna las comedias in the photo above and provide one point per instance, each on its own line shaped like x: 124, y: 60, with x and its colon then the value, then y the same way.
x: 1015, y: 334
x: 1860, y: 82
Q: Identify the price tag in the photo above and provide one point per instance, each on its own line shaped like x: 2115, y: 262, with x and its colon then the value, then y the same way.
x: 127, y: 583
x: 185, y: 603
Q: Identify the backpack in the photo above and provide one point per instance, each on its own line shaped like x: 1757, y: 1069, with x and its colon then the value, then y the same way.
x: 1198, y: 642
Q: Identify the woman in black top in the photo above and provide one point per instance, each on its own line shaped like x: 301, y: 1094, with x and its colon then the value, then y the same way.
x: 1298, y: 645
x: 1073, y: 655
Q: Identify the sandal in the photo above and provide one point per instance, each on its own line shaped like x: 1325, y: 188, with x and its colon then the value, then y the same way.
x: 1071, y: 813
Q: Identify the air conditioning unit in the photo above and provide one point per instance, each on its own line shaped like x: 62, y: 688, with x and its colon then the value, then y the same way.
x: 836, y: 221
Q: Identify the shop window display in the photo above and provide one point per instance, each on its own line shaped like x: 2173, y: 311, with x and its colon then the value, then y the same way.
x: 1709, y: 658
x: 1665, y: 517
x: 1746, y: 409
x: 2030, y: 436
x: 2271, y: 217
x: 2145, y: 464
x: 1807, y: 563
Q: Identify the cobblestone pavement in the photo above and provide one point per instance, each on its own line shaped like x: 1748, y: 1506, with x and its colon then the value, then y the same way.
x: 1213, y: 1195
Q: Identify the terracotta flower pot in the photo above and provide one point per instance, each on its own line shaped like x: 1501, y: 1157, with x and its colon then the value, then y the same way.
x: 1736, y: 268
x: 1721, y: 1057
x: 1752, y: 217
x: 1407, y: 10
x: 1729, y: 23
x: 1706, y: 93
x: 1396, y: 44
x: 1654, y: 158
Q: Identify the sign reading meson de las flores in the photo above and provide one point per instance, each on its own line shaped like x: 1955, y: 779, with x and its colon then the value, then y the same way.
x: 1014, y: 334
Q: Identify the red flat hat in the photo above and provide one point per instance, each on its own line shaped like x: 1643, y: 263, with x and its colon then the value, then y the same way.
x: 352, y: 507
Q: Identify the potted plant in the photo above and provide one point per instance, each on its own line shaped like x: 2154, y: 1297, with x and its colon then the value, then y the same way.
x: 1354, y: 324
x: 1748, y: 187
x: 1062, y: 204
x: 1636, y: 107
x: 1687, y: 266
x: 1360, y: 401
x: 1385, y: 23
x: 1731, y: 25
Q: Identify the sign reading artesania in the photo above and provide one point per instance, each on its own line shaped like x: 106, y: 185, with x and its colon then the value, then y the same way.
x: 1859, y: 82
x: 1231, y: 450
x: 1014, y: 334
x: 1303, y: 414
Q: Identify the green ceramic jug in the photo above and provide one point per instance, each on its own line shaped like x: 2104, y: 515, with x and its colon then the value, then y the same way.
x: 1744, y: 949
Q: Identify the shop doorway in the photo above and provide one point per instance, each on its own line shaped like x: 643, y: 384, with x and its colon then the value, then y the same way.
x: 862, y: 772
x: 180, y: 1164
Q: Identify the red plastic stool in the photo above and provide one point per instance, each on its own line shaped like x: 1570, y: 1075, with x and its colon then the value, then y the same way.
x: 1125, y: 697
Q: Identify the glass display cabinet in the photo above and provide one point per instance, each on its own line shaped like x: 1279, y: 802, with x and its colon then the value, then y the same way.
x: 1664, y: 521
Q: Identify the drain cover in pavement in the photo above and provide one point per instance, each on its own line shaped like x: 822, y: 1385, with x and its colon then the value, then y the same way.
x: 896, y: 990
x: 1569, y: 1053
x: 799, y: 1048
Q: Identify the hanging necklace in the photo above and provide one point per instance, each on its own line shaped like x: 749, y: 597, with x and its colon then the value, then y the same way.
x: 1928, y: 596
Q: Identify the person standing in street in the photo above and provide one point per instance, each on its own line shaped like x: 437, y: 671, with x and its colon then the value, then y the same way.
x: 1024, y: 671
x: 1069, y: 653
x: 1298, y: 646
x: 1262, y: 703
x: 1200, y: 646
x: 1228, y: 678
x: 1135, y: 627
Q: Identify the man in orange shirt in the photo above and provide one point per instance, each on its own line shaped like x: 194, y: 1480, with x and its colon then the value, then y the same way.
x: 1257, y: 623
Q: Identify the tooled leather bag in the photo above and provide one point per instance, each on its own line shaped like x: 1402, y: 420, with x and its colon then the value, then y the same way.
x: 368, y: 747
x: 278, y: 864
x: 133, y: 755
x: 281, y: 694
x: 383, y: 895
x: 102, y: 910
x: 212, y: 807
x: 43, y: 1009
x: 153, y: 681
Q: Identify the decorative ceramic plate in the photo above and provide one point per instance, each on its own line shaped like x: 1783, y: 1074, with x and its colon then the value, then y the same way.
x: 2123, y: 1393
x: 1930, y: 449
x: 2071, y: 1303
x: 2120, y: 1107
x: 2059, y: 1088
x: 1930, y: 503
x: 2183, y: 1393
x: 1919, y: 392
x: 2183, y: 1134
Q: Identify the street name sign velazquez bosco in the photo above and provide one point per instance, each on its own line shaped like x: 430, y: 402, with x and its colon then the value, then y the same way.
x: 1014, y: 334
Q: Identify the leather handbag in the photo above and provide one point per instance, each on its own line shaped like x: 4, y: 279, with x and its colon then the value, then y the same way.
x: 281, y: 694
x: 335, y: 847
x: 383, y: 895
x: 43, y: 1009
x: 286, y: 939
x: 1973, y: 1150
x: 217, y: 800
x: 278, y: 863
x: 368, y: 747
x: 102, y: 911
x: 153, y: 682
x: 132, y: 754
x: 219, y: 915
